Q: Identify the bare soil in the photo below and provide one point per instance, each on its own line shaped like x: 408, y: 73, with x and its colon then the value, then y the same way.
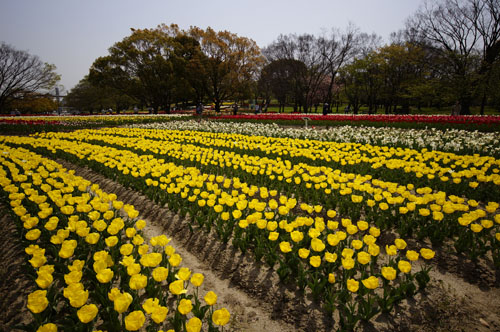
x: 462, y: 296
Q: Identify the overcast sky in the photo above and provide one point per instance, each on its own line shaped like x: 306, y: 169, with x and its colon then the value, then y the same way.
x: 71, y: 34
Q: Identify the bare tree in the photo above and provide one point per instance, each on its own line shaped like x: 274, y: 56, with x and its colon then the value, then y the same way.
x: 337, y: 48
x: 305, y: 49
x: 290, y: 76
x: 464, y: 33
x: 485, y: 16
x: 22, y: 73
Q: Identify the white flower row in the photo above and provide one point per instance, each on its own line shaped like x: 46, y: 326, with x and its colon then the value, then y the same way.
x: 457, y: 141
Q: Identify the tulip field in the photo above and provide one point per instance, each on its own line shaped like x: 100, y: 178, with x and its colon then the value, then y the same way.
x: 354, y: 220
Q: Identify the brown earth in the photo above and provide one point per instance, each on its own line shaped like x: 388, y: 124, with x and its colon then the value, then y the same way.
x: 462, y: 296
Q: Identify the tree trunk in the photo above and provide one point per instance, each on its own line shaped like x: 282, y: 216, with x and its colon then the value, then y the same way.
x: 483, y: 103
x: 465, y: 106
x: 355, y: 108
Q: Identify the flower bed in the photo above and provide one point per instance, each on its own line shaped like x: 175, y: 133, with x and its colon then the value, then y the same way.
x: 468, y: 119
x: 310, y: 209
x: 31, y: 124
x: 92, y: 267
x: 452, y: 140
x: 471, y: 122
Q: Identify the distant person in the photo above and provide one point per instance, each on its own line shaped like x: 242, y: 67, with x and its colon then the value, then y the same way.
x: 235, y: 109
x: 257, y: 108
x: 199, y: 109
x: 347, y: 109
x: 456, y: 109
x: 325, y: 108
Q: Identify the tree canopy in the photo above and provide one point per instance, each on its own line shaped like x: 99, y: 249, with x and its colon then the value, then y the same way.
x: 167, y: 65
x: 448, y: 52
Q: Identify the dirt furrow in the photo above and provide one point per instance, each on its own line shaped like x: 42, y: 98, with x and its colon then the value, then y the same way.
x: 15, y: 285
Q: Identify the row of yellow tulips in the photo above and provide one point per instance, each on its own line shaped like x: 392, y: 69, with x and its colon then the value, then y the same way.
x: 384, y: 200
x: 224, y: 201
x: 92, y: 265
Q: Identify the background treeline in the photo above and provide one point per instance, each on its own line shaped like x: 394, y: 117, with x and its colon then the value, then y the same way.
x: 447, y: 54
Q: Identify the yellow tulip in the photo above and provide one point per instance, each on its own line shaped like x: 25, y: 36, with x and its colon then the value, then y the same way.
x: 352, y: 285
x: 221, y: 317
x: 87, y: 313
x: 134, y: 320
x: 389, y: 273
x: 371, y: 283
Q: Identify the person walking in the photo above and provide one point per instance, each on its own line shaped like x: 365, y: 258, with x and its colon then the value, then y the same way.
x: 199, y: 109
x: 325, y: 108
x: 456, y: 109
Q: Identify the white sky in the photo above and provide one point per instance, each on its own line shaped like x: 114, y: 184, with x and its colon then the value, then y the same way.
x: 71, y: 34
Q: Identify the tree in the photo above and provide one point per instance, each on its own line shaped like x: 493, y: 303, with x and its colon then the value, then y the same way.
x: 337, y: 49
x: 283, y: 79
x: 189, y: 66
x: 88, y: 97
x: 352, y: 78
x: 485, y: 15
x: 33, y: 103
x: 231, y: 63
x: 22, y: 74
x: 303, y: 49
x: 107, y: 75
x: 464, y: 33
x: 145, y: 61
x: 402, y: 69
x: 494, y: 86
x: 323, y: 57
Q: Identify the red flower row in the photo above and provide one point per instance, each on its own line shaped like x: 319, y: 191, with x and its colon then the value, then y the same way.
x: 29, y: 122
x: 469, y: 119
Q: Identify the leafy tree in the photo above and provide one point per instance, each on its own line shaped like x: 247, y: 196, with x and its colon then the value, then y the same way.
x: 283, y: 79
x: 33, y: 103
x: 105, y: 74
x: 22, y: 74
x: 230, y: 65
x: 402, y: 67
x: 361, y: 79
x: 354, y: 79
x: 189, y: 67
x: 88, y: 97
x: 143, y: 62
